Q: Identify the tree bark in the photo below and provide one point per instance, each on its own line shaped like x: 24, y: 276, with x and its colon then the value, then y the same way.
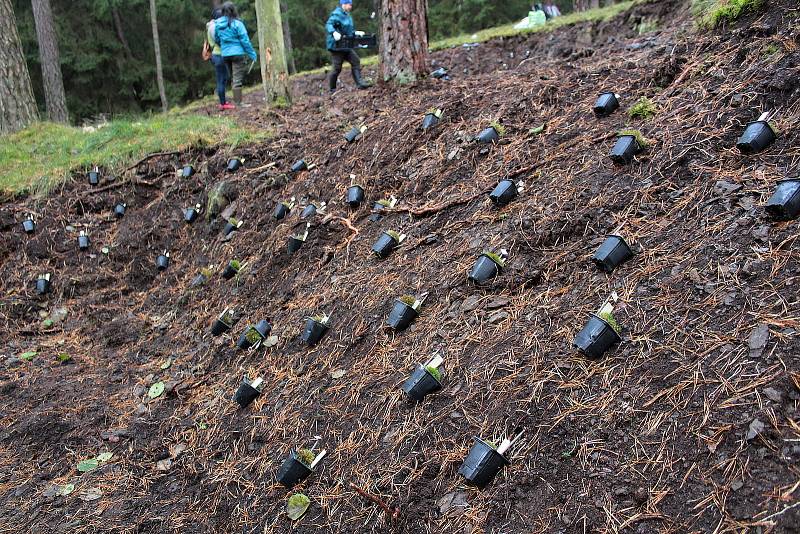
x: 274, y: 72
x: 17, y: 104
x: 404, y: 40
x: 121, y: 33
x: 157, y: 46
x: 54, y: 97
x: 287, y: 38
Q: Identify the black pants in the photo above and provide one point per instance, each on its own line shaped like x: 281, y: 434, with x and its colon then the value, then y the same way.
x: 338, y: 57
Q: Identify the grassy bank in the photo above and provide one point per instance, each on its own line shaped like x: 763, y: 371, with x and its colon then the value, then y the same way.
x: 43, y: 155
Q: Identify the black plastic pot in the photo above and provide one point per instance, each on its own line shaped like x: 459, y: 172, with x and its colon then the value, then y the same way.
x: 484, y: 269
x: 606, y: 104
x: 429, y: 121
x: 29, y: 225
x: 293, y: 471
x: 190, y: 215
x: 596, y: 338
x: 219, y: 327
x: 489, y: 135
x: 355, y: 196
x: 401, y: 316
x: 626, y: 148
x: 504, y: 192
x: 162, y: 262
x: 299, y: 165
x: 294, y: 244
x: 245, y: 343
x: 229, y: 227
x: 83, y: 242
x: 420, y: 383
x: 385, y: 245
x: 264, y: 328
x: 119, y: 210
x: 613, y: 252
x: 188, y: 171
x: 234, y: 164
x: 42, y: 286
x: 94, y: 177
x: 229, y: 272
x: 281, y: 211
x: 313, y: 331
x: 353, y: 134
x: 757, y: 136
x: 308, y: 211
x: 785, y: 201
x: 439, y: 73
x: 482, y: 464
x: 246, y: 394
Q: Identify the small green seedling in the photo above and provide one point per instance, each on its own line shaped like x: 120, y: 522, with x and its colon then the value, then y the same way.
x: 63, y: 357
x: 433, y: 367
x: 156, y: 390
x: 643, y: 109
x: 396, y: 236
x: 499, y: 259
x: 435, y: 112
x: 227, y: 317
x: 321, y: 319
x: 28, y: 356
x: 641, y: 139
x: 612, y: 322
x: 252, y: 336
x: 499, y: 128
x: 306, y: 456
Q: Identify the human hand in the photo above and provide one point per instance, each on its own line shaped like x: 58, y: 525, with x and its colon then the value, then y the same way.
x: 337, y: 36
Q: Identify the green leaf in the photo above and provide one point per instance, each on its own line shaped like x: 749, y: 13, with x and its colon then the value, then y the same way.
x: 167, y: 363
x: 64, y: 357
x: 47, y: 323
x: 536, y: 131
x: 88, y: 465
x: 104, y: 457
x: 202, y: 426
x: 297, y: 506
x: 65, y: 490
x: 156, y: 390
x: 28, y: 356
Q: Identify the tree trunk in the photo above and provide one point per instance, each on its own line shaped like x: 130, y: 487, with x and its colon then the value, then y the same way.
x: 157, y: 46
x: 287, y: 38
x: 17, y: 105
x: 274, y: 74
x: 121, y: 33
x: 404, y: 40
x: 54, y: 97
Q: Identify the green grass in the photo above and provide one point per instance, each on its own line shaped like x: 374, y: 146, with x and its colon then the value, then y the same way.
x: 43, y: 155
x: 714, y: 13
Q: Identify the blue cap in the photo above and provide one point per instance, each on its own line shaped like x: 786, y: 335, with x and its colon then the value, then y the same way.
x: 343, y: 2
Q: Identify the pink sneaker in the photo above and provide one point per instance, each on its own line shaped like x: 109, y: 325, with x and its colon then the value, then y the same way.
x: 228, y: 105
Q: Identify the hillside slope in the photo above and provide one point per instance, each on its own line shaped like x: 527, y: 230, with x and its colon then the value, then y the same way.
x: 688, y: 425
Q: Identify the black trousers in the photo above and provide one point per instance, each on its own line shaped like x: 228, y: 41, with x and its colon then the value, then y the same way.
x: 338, y: 57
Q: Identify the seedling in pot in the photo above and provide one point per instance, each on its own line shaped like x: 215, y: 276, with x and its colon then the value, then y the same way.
x: 312, y: 209
x: 505, y: 191
x: 254, y: 336
x: 785, y: 202
x: 487, y: 266
x: 600, y: 333
x: 758, y: 135
x: 43, y: 284
x: 223, y: 323
x: 388, y: 241
x: 381, y: 205
x: 629, y: 144
x: 302, y: 165
x: 485, y: 461
x: 607, y: 103
x: 424, y: 380
x: 355, y: 133
x: 162, y: 262
x: 190, y: 215
x: 355, y: 194
x: 283, y: 209
x: 492, y: 134
x: 94, y: 176
x: 432, y: 118
x: 248, y: 392
x: 232, y: 269
x: 404, y: 311
x: 298, y: 466
x: 188, y: 171
x: 232, y: 225
x: 119, y: 210
x: 83, y: 241
x: 613, y: 252
x: 440, y: 74
x: 234, y: 164
x: 29, y: 224
x: 315, y: 328
x: 296, y: 241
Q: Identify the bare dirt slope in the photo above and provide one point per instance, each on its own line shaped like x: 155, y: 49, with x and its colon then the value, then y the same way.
x: 688, y: 425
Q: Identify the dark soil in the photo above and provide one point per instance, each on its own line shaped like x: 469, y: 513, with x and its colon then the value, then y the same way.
x: 689, y: 425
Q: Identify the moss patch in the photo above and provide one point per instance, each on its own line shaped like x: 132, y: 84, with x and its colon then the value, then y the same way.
x: 435, y: 373
x: 641, y: 139
x: 306, y: 456
x: 609, y: 318
x: 643, y: 109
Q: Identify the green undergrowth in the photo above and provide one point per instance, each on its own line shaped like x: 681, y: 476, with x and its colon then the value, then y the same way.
x: 714, y: 13
x: 643, y: 109
x: 42, y: 156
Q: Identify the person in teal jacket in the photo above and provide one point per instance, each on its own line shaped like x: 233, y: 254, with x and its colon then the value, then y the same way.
x: 340, y: 24
x: 231, y: 35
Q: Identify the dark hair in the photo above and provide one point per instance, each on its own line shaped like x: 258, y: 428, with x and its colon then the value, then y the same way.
x: 216, y: 13
x: 229, y: 10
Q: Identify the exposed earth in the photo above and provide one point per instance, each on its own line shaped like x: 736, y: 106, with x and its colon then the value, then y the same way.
x: 690, y: 424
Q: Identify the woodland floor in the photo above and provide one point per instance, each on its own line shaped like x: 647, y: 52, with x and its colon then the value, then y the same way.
x: 690, y: 424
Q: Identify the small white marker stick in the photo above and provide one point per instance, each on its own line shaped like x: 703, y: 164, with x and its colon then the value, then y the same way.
x: 507, y: 443
x: 318, y: 459
x: 256, y: 383
x: 765, y: 116
x: 435, y: 362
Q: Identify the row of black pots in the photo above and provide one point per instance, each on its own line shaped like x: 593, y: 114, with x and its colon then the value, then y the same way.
x: 757, y: 136
x: 231, y: 270
x: 295, y: 242
x: 187, y: 171
x: 231, y: 226
x: 301, y: 165
x: 504, y: 192
x: 94, y: 177
x: 784, y: 204
x: 308, y: 211
x: 431, y: 119
x: 612, y: 253
x: 223, y: 323
x: 282, y: 210
x: 420, y: 384
x: 83, y: 241
x: 254, y: 335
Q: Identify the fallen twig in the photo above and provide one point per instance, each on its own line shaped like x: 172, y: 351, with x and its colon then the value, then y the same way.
x: 393, y: 512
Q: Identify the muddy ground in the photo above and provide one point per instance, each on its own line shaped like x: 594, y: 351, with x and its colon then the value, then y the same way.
x: 688, y: 425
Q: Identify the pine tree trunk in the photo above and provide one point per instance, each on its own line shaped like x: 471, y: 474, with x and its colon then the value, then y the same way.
x: 404, y: 40
x: 287, y: 38
x: 274, y: 72
x: 157, y: 46
x: 120, y: 33
x: 17, y: 105
x: 54, y: 97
